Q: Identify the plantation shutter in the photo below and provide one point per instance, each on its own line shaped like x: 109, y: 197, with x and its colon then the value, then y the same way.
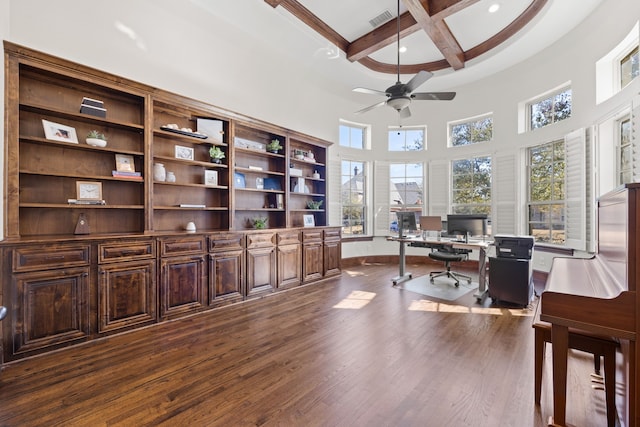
x: 635, y: 139
x: 505, y: 194
x: 333, y: 185
x: 575, y: 190
x: 439, y: 184
x: 381, y: 186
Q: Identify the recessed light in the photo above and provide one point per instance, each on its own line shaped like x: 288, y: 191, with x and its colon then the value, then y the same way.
x: 402, y: 49
x: 494, y: 8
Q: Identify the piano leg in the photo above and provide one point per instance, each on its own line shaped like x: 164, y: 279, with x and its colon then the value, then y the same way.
x: 560, y: 350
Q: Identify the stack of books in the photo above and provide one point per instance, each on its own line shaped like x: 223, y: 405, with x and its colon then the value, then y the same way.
x: 93, y: 107
x: 86, y: 202
x: 127, y: 175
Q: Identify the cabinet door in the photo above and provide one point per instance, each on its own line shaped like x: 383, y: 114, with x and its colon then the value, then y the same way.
x: 126, y: 295
x: 182, y: 285
x: 261, y: 270
x: 312, y: 263
x: 289, y: 266
x: 52, y: 309
x: 332, y: 258
x: 225, y: 277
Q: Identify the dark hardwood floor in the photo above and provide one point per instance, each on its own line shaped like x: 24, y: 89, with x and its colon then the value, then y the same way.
x: 351, y: 351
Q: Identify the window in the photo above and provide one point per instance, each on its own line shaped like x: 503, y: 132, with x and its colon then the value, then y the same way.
x: 471, y: 186
x: 624, y: 151
x: 406, y: 139
x: 547, y: 192
x: 471, y: 132
x: 353, y: 195
x: 407, y: 189
x: 352, y: 136
x: 629, y: 67
x: 550, y: 109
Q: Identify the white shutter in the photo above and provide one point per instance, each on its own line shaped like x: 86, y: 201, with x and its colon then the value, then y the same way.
x: 575, y: 190
x: 439, y: 183
x: 381, y: 187
x: 333, y: 187
x: 505, y: 183
x: 635, y: 139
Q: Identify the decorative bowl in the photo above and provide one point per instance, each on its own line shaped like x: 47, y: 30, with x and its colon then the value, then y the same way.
x: 96, y: 142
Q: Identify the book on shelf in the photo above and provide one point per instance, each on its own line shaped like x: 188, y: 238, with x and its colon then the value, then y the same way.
x: 127, y: 175
x: 190, y: 205
x: 86, y: 202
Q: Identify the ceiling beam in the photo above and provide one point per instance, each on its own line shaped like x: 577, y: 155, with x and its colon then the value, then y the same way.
x: 380, y: 37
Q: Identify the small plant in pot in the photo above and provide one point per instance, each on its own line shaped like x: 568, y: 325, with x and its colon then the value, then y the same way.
x: 274, y: 146
x: 259, y: 222
x: 96, y: 139
x: 216, y: 154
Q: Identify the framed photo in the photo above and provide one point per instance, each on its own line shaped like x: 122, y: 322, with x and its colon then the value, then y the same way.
x: 184, y: 153
x: 58, y: 132
x: 88, y: 190
x: 210, y: 177
x: 309, y: 221
x: 239, y: 180
x: 124, y: 163
x: 259, y: 183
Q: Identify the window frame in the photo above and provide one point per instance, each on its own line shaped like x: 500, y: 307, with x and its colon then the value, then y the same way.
x: 468, y: 120
x: 552, y: 94
x: 405, y: 129
x: 347, y: 230
x: 468, y: 207
x: 394, y: 205
x: 365, y: 129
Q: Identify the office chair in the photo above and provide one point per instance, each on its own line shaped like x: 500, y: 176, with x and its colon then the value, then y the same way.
x: 444, y: 253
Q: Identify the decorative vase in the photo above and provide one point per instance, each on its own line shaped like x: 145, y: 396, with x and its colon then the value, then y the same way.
x: 159, y: 172
x: 96, y: 142
x: 171, y: 177
x: 215, y: 160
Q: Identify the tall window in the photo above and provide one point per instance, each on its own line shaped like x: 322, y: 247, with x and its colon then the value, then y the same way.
x: 407, y: 189
x: 624, y: 151
x: 629, y: 67
x: 547, y: 192
x: 354, y: 198
x: 550, y: 109
x: 471, y: 186
x: 406, y: 139
x: 352, y: 136
x: 471, y: 132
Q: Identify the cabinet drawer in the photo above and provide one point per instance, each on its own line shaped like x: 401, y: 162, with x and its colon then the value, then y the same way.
x: 182, y: 246
x: 311, y: 236
x: 331, y: 234
x: 125, y: 251
x: 288, y: 237
x: 258, y: 240
x: 225, y: 242
x: 35, y: 258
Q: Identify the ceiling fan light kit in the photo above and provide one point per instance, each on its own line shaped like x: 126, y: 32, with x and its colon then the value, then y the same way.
x: 400, y: 95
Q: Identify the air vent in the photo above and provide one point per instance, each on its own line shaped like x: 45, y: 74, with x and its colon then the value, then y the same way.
x: 381, y: 19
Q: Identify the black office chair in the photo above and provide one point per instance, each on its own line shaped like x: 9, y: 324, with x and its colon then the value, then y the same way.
x: 448, y: 255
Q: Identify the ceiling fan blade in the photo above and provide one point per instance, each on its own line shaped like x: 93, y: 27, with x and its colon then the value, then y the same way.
x: 371, y: 107
x: 434, y: 96
x: 418, y: 80
x: 405, y: 113
x: 369, y: 91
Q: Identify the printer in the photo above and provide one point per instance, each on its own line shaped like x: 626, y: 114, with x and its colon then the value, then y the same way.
x: 519, y: 247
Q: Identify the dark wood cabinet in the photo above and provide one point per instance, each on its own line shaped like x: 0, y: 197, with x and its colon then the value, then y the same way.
x: 312, y: 255
x: 289, y: 258
x: 261, y: 263
x: 226, y: 268
x: 332, y: 251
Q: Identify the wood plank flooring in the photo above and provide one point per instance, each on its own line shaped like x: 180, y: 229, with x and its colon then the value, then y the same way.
x: 350, y: 351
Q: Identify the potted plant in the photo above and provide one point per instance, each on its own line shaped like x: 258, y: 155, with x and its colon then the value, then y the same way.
x: 216, y: 154
x: 259, y: 222
x: 274, y: 146
x: 96, y: 139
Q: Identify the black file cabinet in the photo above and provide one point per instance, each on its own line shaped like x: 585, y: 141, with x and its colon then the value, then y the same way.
x: 510, y: 273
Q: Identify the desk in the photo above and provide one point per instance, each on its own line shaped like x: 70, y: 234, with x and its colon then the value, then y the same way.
x: 419, y: 242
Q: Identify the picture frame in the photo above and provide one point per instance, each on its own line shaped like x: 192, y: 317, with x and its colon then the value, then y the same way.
x: 88, y: 190
x: 260, y: 183
x: 308, y: 221
x: 184, y: 153
x: 239, y: 180
x: 125, y: 163
x: 210, y: 178
x: 57, y: 132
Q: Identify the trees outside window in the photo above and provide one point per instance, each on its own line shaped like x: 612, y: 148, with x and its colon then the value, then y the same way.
x: 550, y: 109
x: 546, y: 217
x: 471, y: 132
x: 406, y: 191
x: 353, y: 198
x: 629, y: 67
x: 471, y: 186
x: 406, y: 139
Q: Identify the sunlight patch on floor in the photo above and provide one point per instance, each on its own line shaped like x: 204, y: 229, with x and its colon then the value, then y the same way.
x: 353, y: 273
x: 356, y: 300
x: 439, y: 307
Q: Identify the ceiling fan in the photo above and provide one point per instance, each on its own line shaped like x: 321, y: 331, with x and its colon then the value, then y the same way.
x: 400, y: 95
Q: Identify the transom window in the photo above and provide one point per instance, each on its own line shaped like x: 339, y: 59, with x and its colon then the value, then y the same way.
x: 547, y: 192
x: 406, y: 139
x: 353, y: 198
x: 471, y: 186
x: 352, y: 136
x: 550, y: 109
x: 629, y: 67
x: 471, y: 131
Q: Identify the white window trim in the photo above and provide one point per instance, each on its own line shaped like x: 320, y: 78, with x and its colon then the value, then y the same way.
x: 524, y: 107
x: 367, y: 135
x: 466, y: 120
x: 405, y: 128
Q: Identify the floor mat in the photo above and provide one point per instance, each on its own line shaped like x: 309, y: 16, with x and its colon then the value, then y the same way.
x: 442, y: 287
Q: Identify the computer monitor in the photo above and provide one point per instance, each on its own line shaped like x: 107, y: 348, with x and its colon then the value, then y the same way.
x: 406, y: 221
x: 467, y: 225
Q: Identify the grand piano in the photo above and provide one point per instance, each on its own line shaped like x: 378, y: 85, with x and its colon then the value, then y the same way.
x: 598, y: 296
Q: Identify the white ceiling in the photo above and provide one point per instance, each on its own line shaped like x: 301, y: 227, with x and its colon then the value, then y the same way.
x: 282, y: 33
